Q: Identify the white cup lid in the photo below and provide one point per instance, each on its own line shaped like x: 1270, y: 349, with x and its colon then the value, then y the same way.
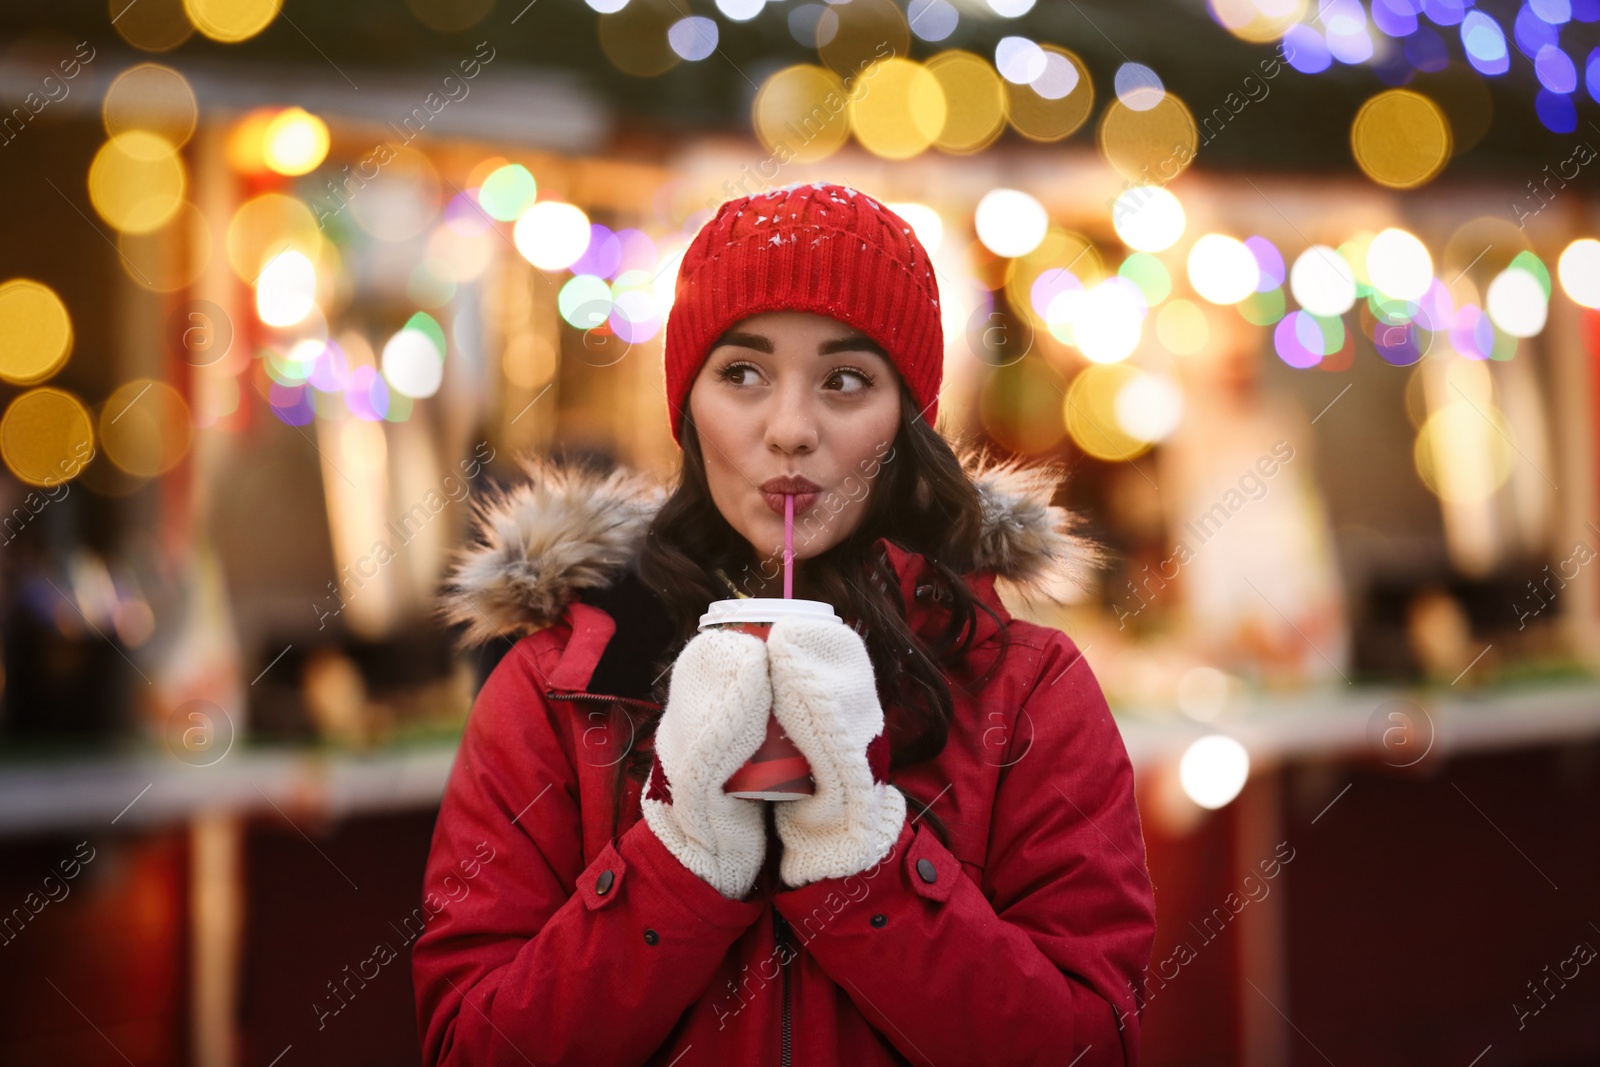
x: 765, y: 609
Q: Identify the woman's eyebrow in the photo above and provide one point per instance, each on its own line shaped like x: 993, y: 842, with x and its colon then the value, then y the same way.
x: 856, y: 342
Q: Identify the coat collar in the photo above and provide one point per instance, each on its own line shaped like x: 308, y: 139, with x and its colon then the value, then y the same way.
x: 561, y: 544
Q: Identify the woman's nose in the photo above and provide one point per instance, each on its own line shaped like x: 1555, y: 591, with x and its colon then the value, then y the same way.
x: 791, y: 421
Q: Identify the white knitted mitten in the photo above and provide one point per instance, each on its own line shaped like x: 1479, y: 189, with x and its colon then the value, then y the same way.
x: 824, y: 697
x: 714, y: 720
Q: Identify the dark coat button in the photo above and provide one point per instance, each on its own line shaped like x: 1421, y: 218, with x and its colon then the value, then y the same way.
x: 651, y: 937
x: 879, y: 920
x: 926, y: 871
x: 602, y: 884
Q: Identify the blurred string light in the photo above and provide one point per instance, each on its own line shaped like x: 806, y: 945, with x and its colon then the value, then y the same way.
x: 1401, y: 139
x: 552, y: 235
x: 1213, y: 769
x: 231, y: 21
x: 932, y: 20
x: 1517, y: 303
x: 896, y: 108
x: 1148, y: 218
x: 1138, y: 86
x: 151, y: 25
x: 1104, y: 322
x: 1270, y: 262
x: 1578, y: 269
x: 413, y: 359
x: 507, y: 192
x: 294, y: 142
x: 1322, y: 282
x: 741, y: 10
x: 694, y: 38
x: 1181, y: 328
x: 974, y: 100
x: 1222, y: 269
x: 35, y: 332
x: 1399, y: 265
x: 1090, y: 412
x: 1149, y: 407
x: 287, y: 289
x: 137, y: 181
x: 1011, y: 9
x: 153, y: 98
x: 46, y: 436
x: 1010, y: 222
x: 145, y: 427
x: 1056, y: 102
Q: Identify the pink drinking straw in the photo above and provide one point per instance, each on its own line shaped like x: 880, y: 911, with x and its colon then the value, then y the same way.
x: 788, y: 546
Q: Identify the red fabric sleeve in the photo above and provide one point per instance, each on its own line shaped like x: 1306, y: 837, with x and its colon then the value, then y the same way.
x: 551, y: 969
x: 1039, y: 964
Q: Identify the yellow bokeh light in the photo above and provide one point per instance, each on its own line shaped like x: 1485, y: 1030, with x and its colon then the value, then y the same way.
x: 137, y: 182
x: 1464, y: 452
x: 151, y: 25
x: 294, y: 142
x: 1400, y: 139
x: 1181, y: 326
x: 151, y: 97
x: 1255, y: 21
x: 266, y: 227
x: 1154, y: 145
x: 230, y: 21
x: 1090, y: 412
x: 975, y: 101
x: 46, y: 436
x: 897, y: 109
x: 801, y: 114
x: 1061, y: 249
x: 247, y: 141
x: 170, y: 258
x: 635, y: 38
x: 145, y: 427
x: 1020, y: 406
x: 1050, y: 118
x: 35, y: 332
x: 868, y: 31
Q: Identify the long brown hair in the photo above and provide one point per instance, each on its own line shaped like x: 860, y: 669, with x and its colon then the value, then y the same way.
x: 922, y: 501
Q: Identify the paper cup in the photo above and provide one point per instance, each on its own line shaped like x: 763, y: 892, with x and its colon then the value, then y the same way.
x: 777, y: 771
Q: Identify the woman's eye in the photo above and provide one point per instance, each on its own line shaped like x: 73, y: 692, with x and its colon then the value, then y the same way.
x: 732, y: 370
x: 865, y: 382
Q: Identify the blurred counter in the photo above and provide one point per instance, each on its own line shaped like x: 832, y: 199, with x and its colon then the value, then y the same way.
x: 1397, y: 726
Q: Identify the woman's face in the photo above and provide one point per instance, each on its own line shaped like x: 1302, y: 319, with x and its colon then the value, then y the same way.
x: 794, y: 393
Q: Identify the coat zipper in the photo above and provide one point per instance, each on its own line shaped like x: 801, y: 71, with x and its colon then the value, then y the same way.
x: 601, y: 696
x: 779, y: 927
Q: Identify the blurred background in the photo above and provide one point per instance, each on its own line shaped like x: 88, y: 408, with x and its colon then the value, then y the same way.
x: 1303, y: 295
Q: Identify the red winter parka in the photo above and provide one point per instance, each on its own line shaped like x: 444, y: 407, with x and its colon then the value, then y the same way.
x: 1022, y: 941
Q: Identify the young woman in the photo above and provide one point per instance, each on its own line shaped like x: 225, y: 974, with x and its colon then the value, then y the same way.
x: 967, y: 884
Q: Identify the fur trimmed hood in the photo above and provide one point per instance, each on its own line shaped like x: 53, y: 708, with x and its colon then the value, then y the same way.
x: 537, y: 545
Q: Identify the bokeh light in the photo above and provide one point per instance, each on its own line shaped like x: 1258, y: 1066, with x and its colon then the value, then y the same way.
x: 792, y: 118
x: 1517, y: 303
x: 974, y: 98
x: 153, y: 98
x: 1322, y: 282
x: 896, y: 108
x: 1222, y: 269
x: 1213, y: 769
x: 1401, y: 139
x: 1399, y: 265
x: 507, y: 192
x: 1579, y: 271
x: 1148, y: 218
x: 294, y: 142
x: 1090, y: 412
x: 137, y: 181
x: 552, y: 235
x: 46, y: 436
x: 1010, y: 222
x: 145, y: 427
x: 287, y: 289
x: 231, y: 21
x: 35, y: 332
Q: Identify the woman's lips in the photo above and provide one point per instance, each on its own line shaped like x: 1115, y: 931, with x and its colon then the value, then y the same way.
x: 802, y: 501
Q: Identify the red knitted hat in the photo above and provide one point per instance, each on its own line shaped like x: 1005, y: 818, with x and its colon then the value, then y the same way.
x: 816, y: 247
